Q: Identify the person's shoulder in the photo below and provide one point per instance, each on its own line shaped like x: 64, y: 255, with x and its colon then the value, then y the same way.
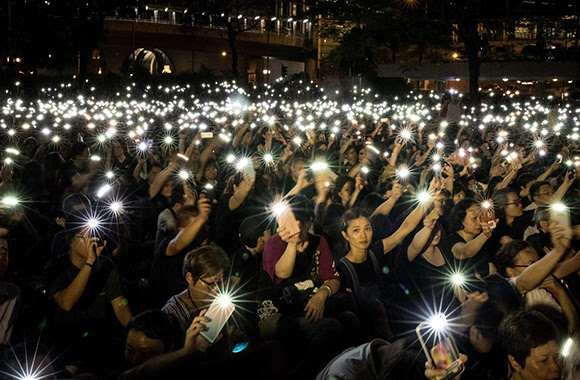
x: 58, y: 263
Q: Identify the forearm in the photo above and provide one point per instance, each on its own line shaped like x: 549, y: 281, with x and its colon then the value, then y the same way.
x: 507, y: 180
x: 393, y: 159
x: 334, y: 285
x: 418, y: 243
x: 471, y: 248
x: 319, y: 215
x: 567, y: 267
x: 353, y: 198
x: 238, y: 198
x: 69, y: 296
x: 408, y: 225
x: 185, y: 237
x: 559, y: 194
x: 137, y: 172
x: 159, y: 182
x: 80, y: 181
x: 544, y: 175
x: 386, y: 207
x: 122, y: 311
x: 537, y: 272
x: 285, y: 266
x: 569, y: 311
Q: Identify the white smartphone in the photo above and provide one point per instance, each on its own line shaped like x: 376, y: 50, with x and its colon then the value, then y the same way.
x: 218, y: 314
x: 561, y: 214
x: 249, y: 169
x: 206, y: 135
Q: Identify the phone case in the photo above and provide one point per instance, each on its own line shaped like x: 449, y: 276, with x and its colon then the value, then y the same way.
x: 443, y: 354
x: 562, y: 218
x: 218, y: 314
x: 249, y: 169
x: 288, y: 221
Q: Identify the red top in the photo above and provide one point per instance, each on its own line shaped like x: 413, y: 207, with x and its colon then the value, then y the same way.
x: 275, y: 248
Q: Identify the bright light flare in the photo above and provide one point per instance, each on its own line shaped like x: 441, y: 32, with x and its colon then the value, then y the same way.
x: 458, y: 279
x: 242, y: 163
x: 103, y: 190
x: 567, y: 347
x: 183, y: 174
x: 10, y: 201
x: 423, y: 197
x: 13, y: 151
x: 268, y: 158
x: 279, y: 208
x: 438, y: 322
x: 559, y: 207
x: 230, y: 158
x: 318, y: 166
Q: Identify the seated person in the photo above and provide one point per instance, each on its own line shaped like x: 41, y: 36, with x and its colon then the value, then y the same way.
x: 154, y: 357
x: 85, y: 291
x: 247, y: 261
x: 203, y: 269
x: 532, y: 345
x: 167, y: 268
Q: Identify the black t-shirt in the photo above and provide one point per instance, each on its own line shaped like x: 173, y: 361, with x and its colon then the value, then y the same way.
x: 127, y: 166
x: 491, y: 365
x: 228, y: 222
x: 167, y: 271
x: 94, y: 305
x: 247, y: 266
x: 477, y: 264
x: 69, y: 170
x: 515, y: 231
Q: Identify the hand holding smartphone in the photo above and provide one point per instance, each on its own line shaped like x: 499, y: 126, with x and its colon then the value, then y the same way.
x: 443, y: 354
x: 218, y: 314
x: 285, y: 218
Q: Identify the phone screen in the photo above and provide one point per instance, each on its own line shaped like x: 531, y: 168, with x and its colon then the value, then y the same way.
x: 562, y: 219
x: 218, y: 314
x: 249, y: 169
x: 206, y: 135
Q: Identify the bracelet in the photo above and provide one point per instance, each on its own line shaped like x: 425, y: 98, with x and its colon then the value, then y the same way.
x: 329, y: 289
x: 87, y: 264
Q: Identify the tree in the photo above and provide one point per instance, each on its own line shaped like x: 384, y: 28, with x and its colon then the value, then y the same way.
x: 232, y: 18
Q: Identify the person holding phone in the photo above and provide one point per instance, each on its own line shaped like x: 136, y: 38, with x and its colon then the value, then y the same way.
x: 204, y: 270
x: 84, y: 290
x: 303, y: 261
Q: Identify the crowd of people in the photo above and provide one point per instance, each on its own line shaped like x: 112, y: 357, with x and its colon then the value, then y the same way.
x: 357, y: 236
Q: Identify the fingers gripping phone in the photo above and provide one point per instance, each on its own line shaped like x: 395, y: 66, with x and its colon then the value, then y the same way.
x: 443, y: 353
x: 561, y: 215
x: 286, y: 219
x: 218, y: 314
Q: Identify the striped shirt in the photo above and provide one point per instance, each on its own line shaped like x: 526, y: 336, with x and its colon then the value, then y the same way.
x: 180, y: 311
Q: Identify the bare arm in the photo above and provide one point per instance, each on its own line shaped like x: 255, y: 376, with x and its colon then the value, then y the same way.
x: 407, y: 227
x: 533, y: 275
x: 420, y: 239
x: 122, y: 311
x: 386, y: 207
x: 241, y: 193
x: 567, y: 267
x: 186, y: 236
x: 160, y: 180
x: 68, y: 297
x: 463, y: 251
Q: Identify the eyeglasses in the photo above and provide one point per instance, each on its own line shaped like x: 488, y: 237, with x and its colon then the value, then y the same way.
x: 545, y: 193
x: 518, y: 202
x: 212, y: 285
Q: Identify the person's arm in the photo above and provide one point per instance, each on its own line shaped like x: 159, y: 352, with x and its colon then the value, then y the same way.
x: 69, y: 296
x: 357, y: 189
x: 343, y: 149
x: 386, y: 207
x: 139, y: 169
x: 79, y: 181
x: 463, y: 251
x: 507, y: 179
x: 161, y: 178
x: 205, y: 155
x: 239, y: 134
x: 186, y: 236
x: 407, y: 227
x: 559, y: 194
x: 567, y: 267
x: 321, y: 204
x: 533, y: 275
x: 241, y: 193
x: 300, y: 184
x: 399, y: 142
x: 285, y: 265
x: 161, y: 366
x: 122, y: 311
x: 421, y: 239
x: 568, y: 309
x: 469, y: 310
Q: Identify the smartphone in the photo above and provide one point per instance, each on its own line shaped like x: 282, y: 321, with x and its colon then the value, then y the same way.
x: 239, y: 347
x: 249, y: 169
x: 218, y: 314
x: 561, y: 215
x: 207, y: 135
x: 488, y: 215
x: 443, y: 353
x: 287, y: 220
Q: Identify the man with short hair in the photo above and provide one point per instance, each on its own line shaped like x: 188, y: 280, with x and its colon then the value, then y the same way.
x: 532, y: 345
x: 77, y: 173
x: 85, y: 293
